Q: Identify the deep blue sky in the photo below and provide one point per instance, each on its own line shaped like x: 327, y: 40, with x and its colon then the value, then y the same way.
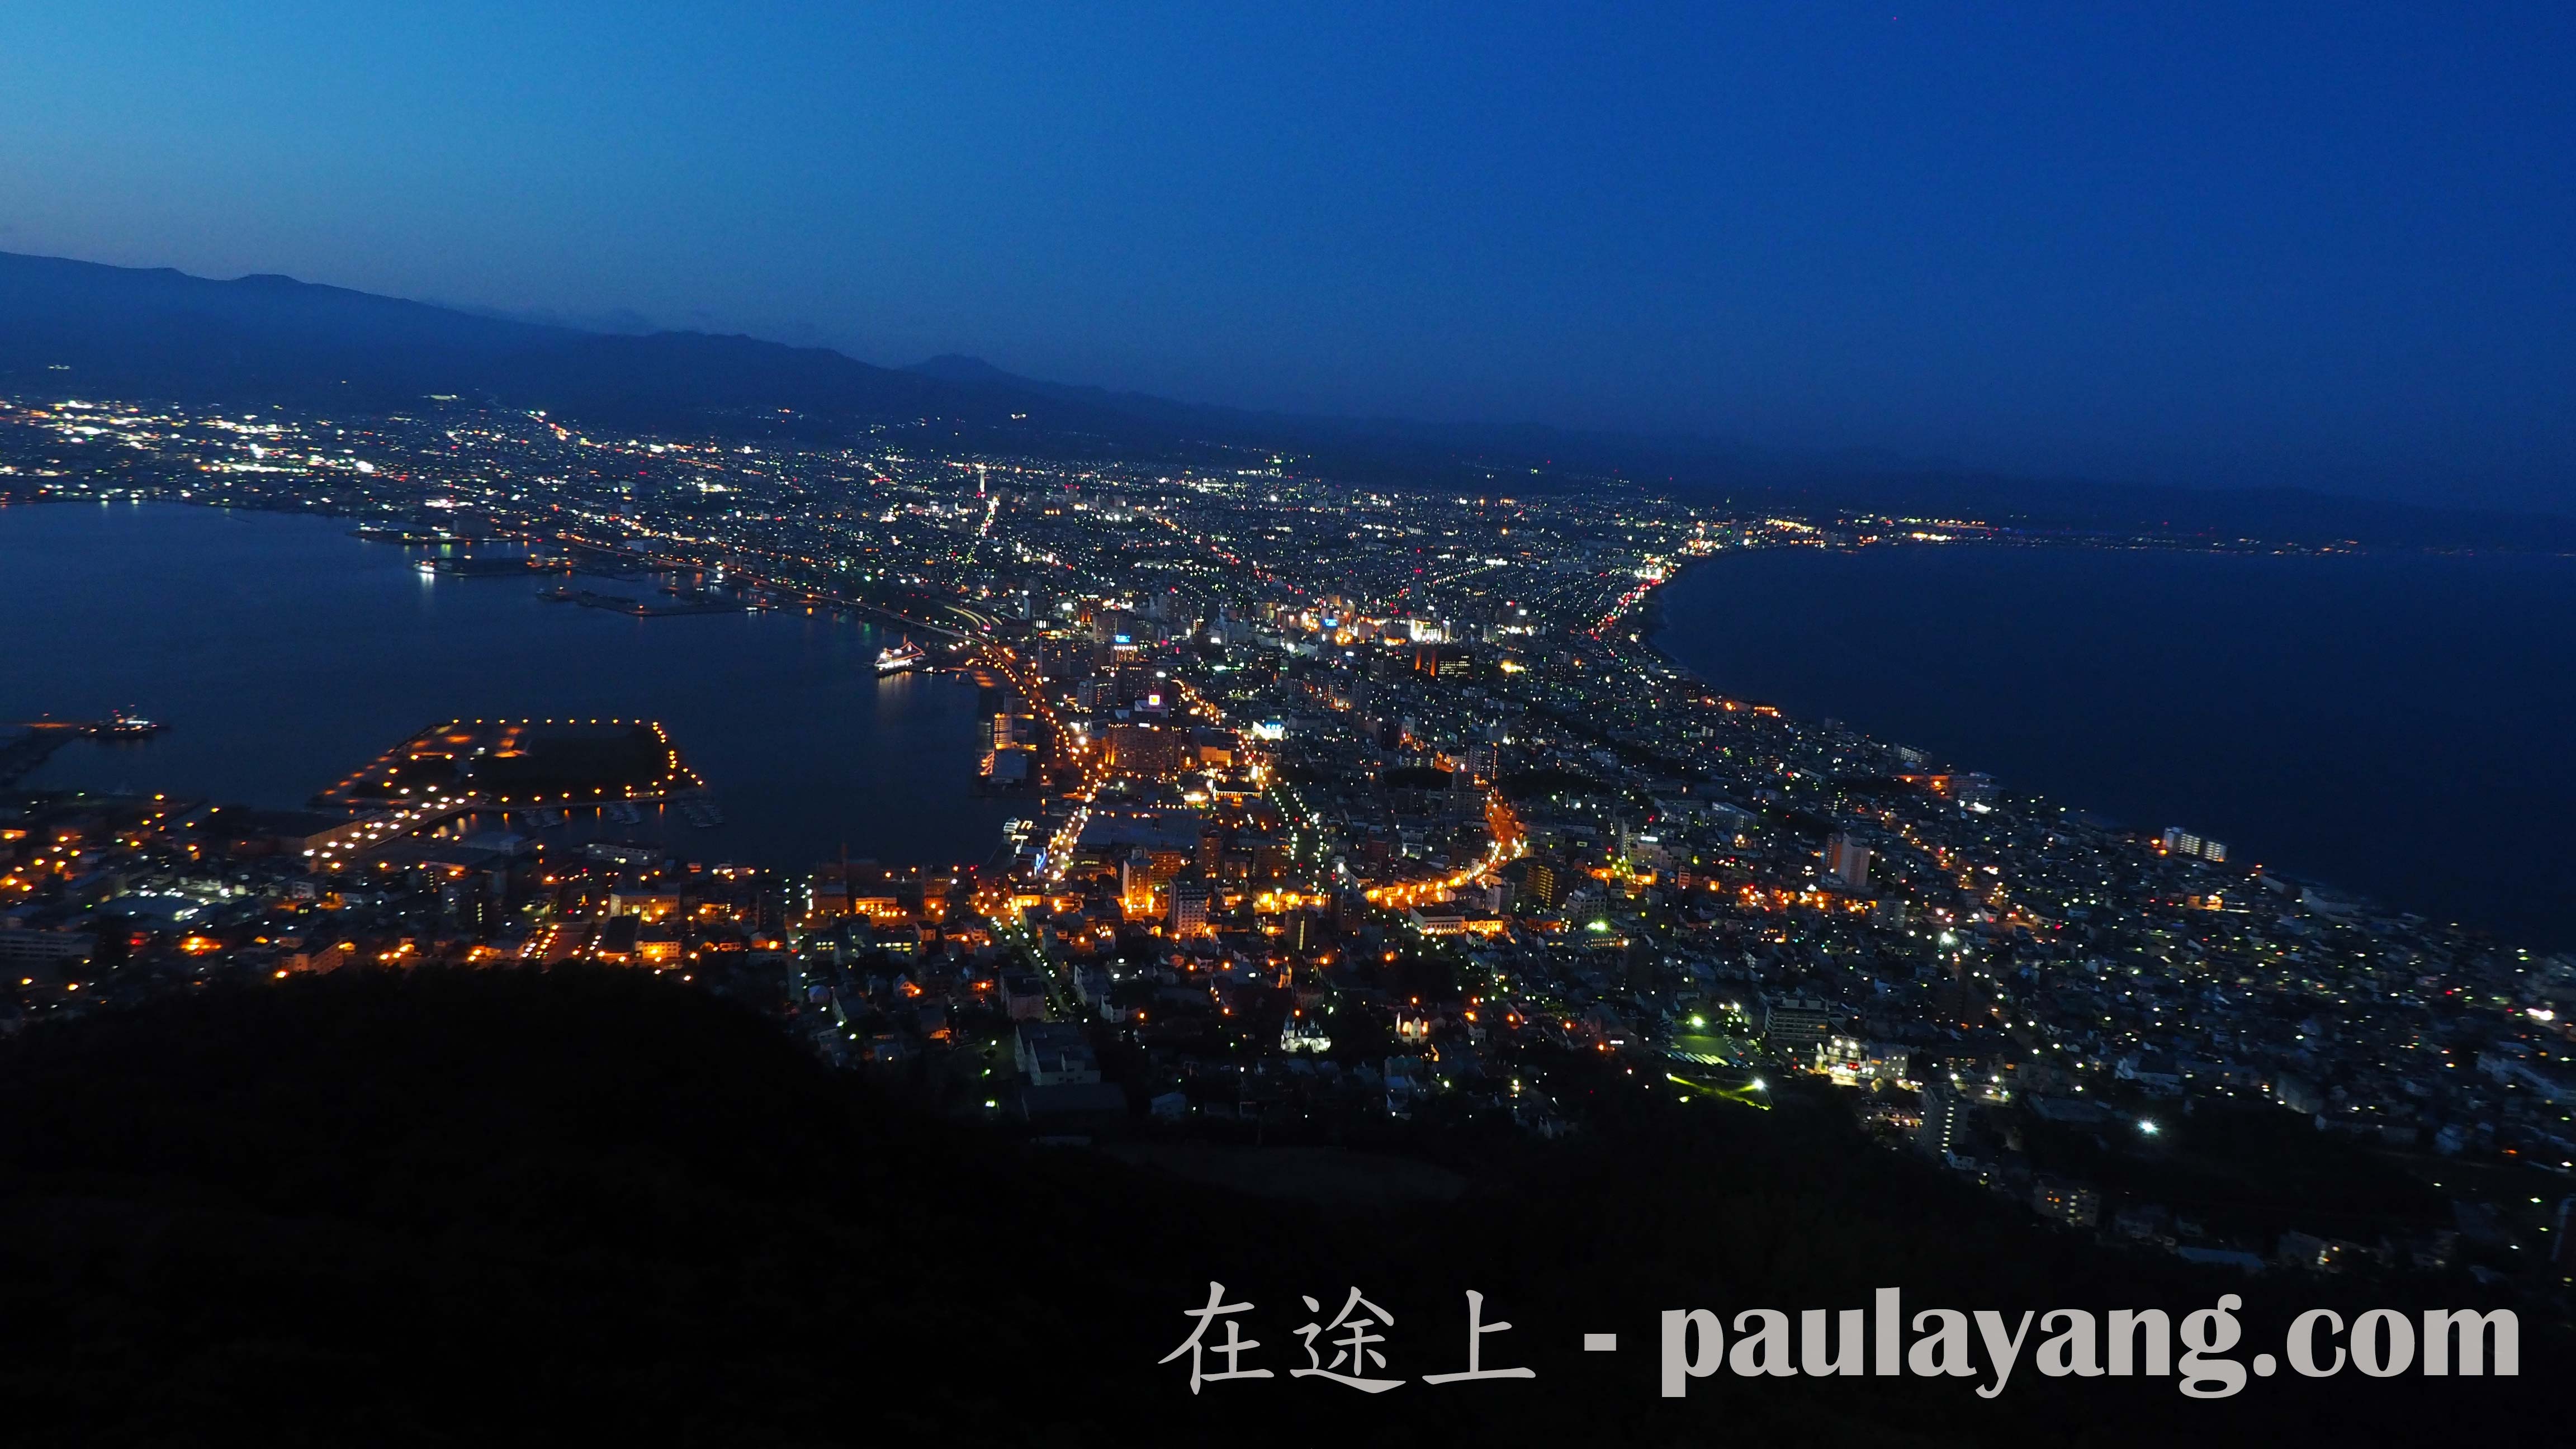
x: 2229, y: 243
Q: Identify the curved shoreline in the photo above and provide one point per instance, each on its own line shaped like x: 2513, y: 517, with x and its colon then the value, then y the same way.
x: 2238, y: 784
x: 1651, y: 621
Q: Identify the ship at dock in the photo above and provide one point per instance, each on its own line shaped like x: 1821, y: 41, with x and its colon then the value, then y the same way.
x: 37, y: 740
x: 902, y: 657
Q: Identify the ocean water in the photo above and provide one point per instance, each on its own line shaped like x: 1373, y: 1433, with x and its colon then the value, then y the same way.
x: 283, y: 653
x: 2401, y: 725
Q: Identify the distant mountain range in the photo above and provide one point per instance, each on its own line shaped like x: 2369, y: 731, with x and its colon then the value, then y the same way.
x: 130, y: 332
x: 161, y: 333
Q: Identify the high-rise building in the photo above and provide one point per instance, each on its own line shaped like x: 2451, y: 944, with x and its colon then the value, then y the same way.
x: 1189, y: 906
x: 1945, y: 1120
x: 1794, y: 1023
x: 2179, y: 841
x: 1547, y: 883
x: 1847, y: 861
x: 1145, y: 750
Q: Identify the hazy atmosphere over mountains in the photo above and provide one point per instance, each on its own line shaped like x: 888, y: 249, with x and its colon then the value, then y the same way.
x: 158, y: 332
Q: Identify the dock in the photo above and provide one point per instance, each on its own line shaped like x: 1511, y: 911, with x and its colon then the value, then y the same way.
x: 643, y: 609
x: 20, y: 757
x: 538, y: 770
x: 474, y: 567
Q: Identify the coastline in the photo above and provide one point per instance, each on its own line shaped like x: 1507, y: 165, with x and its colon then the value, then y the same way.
x: 1651, y: 620
x: 2227, y: 749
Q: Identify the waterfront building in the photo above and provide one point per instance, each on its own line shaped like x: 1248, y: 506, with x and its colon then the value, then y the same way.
x: 2178, y: 841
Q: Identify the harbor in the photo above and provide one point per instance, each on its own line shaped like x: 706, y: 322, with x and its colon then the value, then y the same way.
x: 779, y: 710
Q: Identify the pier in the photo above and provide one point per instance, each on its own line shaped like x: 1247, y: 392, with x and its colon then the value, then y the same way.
x: 684, y: 603
x: 20, y: 757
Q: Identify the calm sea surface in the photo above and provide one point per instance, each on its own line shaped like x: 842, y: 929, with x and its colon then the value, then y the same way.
x: 2400, y: 725
x: 283, y: 653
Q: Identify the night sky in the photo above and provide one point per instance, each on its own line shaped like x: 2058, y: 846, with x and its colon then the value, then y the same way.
x: 2326, y: 245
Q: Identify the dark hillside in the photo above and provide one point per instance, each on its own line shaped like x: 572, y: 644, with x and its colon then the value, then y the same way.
x: 596, y: 1208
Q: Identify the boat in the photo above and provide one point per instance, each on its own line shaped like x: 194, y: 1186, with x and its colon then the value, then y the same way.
x: 124, y: 726
x: 907, y: 655
x: 699, y: 809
